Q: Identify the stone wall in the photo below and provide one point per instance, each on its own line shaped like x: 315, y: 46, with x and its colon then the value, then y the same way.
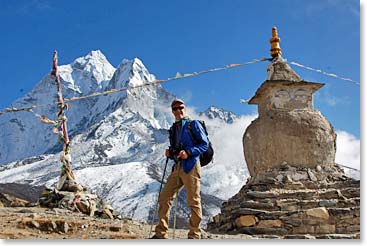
x: 293, y: 202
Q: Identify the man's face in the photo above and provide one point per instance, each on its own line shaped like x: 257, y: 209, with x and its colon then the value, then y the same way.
x: 179, y: 111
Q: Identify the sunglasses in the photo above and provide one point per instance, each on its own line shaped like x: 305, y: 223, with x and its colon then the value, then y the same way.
x: 180, y: 108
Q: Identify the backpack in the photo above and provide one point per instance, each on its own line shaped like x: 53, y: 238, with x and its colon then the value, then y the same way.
x: 207, y: 156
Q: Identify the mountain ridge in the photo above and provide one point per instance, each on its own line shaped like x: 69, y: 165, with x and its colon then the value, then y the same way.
x: 121, y: 131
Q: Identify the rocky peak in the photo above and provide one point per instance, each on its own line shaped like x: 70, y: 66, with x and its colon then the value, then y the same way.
x: 218, y: 113
x: 92, y: 59
x: 130, y: 73
x: 87, y: 74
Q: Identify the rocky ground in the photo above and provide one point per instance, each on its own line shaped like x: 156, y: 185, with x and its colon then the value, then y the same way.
x: 44, y: 223
x: 278, y: 213
x: 22, y: 218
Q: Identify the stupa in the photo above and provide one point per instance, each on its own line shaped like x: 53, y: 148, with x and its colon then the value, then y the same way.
x: 295, y: 190
x: 288, y: 129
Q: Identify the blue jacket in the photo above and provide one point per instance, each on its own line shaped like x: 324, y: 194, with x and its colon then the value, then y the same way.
x: 193, y: 150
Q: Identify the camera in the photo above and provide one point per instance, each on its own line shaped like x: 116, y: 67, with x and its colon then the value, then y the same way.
x: 174, y: 152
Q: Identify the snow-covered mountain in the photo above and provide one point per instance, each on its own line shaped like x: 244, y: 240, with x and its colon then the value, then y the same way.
x: 217, y: 113
x: 118, y: 140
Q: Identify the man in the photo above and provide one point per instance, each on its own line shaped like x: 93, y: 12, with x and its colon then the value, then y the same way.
x: 186, y: 172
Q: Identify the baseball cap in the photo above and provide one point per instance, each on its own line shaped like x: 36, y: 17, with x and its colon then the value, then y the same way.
x: 177, y: 100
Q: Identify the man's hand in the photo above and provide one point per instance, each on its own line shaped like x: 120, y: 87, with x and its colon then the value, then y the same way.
x: 183, y: 154
x: 168, y: 153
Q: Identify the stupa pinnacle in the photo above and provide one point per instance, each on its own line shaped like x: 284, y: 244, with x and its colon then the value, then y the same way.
x: 275, y: 51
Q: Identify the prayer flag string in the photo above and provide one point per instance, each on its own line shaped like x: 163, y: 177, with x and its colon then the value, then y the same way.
x: 325, y: 73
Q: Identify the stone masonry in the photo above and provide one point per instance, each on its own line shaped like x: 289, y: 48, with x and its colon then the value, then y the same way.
x: 293, y: 202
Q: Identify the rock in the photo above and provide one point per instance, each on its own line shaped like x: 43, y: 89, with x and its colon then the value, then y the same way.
x: 257, y: 230
x: 216, y: 219
x: 246, y: 220
x: 53, y: 226
x: 311, y: 175
x: 248, y: 211
x: 303, y: 230
x: 254, y: 194
x: 270, y: 224
x: 337, y: 212
x: 337, y: 236
x: 25, y: 211
x: 320, y: 212
x: 65, y: 227
x: 287, y: 205
x: 35, y: 224
x: 107, y: 213
x: 257, y: 205
x: 84, y: 226
x: 306, y: 236
x: 115, y: 228
x: 17, y: 202
x: 328, y: 203
x: 325, y: 229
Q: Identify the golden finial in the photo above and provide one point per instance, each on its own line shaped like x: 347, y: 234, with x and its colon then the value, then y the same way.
x: 275, y: 40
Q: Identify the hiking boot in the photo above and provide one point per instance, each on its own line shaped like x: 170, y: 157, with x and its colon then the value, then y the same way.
x: 156, y: 237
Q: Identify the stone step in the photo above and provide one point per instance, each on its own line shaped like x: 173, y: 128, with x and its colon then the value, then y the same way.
x: 304, y: 194
x: 290, y: 204
x: 339, y: 236
x: 323, y: 236
x: 296, y: 204
x: 303, y: 185
x: 316, y: 212
x: 308, y: 236
x: 316, y: 231
x: 314, y: 220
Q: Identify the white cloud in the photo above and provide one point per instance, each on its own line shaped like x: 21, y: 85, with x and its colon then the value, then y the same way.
x: 229, y: 168
x: 348, y: 150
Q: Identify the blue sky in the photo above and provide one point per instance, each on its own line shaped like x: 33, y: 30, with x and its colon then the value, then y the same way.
x: 190, y: 36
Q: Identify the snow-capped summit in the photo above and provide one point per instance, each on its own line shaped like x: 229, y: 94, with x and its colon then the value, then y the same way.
x: 217, y: 113
x: 87, y: 74
x: 130, y: 73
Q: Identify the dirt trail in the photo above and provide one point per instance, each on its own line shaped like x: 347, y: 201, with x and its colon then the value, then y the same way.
x: 43, y: 223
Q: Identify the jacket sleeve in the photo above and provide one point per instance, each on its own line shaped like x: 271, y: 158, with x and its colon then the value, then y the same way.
x: 202, y: 143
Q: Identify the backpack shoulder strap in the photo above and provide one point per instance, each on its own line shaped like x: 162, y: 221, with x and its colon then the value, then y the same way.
x: 171, y: 132
x: 192, y: 135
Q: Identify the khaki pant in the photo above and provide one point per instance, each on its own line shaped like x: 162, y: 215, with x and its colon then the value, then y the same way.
x: 177, y: 180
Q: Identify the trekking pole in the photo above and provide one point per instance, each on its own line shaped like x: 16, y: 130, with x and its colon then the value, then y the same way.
x: 174, y: 216
x: 156, y: 205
